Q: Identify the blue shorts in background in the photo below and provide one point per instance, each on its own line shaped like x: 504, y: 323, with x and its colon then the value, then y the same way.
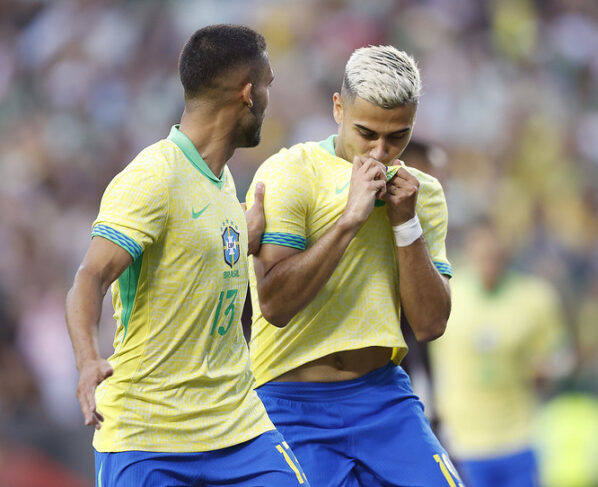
x: 369, y: 431
x: 264, y: 461
x: 518, y: 469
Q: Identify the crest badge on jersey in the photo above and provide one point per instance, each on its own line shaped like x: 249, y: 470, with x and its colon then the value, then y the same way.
x: 231, y: 245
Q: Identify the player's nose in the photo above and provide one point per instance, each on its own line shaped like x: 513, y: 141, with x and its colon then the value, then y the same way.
x: 379, y: 151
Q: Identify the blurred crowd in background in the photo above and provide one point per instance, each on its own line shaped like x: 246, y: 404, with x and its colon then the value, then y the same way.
x: 510, y: 97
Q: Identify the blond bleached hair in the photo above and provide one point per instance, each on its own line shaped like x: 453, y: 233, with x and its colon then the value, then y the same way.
x: 383, y: 76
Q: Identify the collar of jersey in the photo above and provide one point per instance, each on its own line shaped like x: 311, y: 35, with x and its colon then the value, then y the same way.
x: 190, y: 152
x: 328, y: 145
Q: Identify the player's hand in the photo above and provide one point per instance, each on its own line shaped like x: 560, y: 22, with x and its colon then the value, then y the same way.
x: 90, y: 376
x: 368, y: 182
x: 401, y: 196
x: 255, y: 219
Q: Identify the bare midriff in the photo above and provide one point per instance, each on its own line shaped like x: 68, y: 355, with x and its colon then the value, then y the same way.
x: 339, y: 366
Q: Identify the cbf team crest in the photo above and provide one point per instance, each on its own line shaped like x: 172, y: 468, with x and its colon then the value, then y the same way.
x: 230, y: 244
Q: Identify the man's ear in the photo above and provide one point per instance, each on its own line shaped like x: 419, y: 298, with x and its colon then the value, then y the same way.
x: 337, y: 108
x: 246, y: 94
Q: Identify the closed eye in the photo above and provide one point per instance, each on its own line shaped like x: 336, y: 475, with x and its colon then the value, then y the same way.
x: 368, y: 134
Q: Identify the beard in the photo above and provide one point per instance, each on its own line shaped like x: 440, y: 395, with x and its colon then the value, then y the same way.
x: 251, y: 134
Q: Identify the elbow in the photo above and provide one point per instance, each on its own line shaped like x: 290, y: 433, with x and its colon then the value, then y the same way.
x: 278, y: 305
x: 274, y: 315
x: 88, y: 276
x: 430, y: 331
x: 433, y: 325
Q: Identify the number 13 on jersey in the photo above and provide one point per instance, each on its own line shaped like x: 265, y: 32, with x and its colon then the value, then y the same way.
x: 226, y: 298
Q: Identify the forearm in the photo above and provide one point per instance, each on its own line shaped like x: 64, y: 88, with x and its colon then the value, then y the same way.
x: 83, y: 310
x: 424, y: 292
x: 292, y: 283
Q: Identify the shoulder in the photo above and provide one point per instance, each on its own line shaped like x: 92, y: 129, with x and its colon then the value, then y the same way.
x: 431, y: 201
x: 298, y: 154
x: 226, y: 173
x: 229, y: 180
x: 160, y: 157
x: 292, y: 161
x: 156, y: 163
x: 427, y: 184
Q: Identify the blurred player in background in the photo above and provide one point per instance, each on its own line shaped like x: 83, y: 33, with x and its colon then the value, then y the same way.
x: 175, y: 402
x: 342, y: 252
x: 505, y: 337
x: 427, y: 157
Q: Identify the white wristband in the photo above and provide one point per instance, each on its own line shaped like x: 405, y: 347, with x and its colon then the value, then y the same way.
x: 408, y: 232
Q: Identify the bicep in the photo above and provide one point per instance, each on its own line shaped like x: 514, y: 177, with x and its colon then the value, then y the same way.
x: 106, y: 261
x: 447, y: 284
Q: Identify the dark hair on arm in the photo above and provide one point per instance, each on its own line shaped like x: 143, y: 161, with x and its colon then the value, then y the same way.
x: 214, y: 50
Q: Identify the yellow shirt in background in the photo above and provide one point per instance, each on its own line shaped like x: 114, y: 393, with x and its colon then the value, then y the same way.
x: 483, y: 365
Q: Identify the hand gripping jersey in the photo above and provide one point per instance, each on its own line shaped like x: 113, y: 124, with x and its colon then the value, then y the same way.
x: 306, y: 192
x: 181, y: 379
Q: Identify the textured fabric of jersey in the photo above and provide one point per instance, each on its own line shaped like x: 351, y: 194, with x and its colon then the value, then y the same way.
x: 181, y: 381
x: 483, y: 364
x: 306, y: 192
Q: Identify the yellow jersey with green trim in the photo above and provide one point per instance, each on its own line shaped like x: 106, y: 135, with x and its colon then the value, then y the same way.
x: 182, y: 380
x: 483, y: 365
x: 306, y: 192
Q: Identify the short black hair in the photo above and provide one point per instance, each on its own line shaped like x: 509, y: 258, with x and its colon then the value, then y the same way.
x: 214, y: 50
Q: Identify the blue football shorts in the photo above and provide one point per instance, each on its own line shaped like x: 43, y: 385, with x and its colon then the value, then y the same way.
x: 263, y: 461
x: 518, y: 469
x: 369, y: 431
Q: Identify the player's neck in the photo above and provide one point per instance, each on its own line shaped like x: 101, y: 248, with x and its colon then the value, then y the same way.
x: 211, y: 136
x: 338, y: 148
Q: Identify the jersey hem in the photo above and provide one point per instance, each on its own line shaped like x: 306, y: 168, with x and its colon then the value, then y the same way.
x: 265, y: 378
x: 235, y: 439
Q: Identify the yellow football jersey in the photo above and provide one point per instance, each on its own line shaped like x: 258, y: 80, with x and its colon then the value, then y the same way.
x: 483, y: 364
x: 306, y: 192
x: 182, y: 381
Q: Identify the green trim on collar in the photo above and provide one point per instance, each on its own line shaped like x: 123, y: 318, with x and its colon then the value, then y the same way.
x: 190, y: 152
x: 328, y: 144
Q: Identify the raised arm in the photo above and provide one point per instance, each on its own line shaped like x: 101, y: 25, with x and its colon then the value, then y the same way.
x: 424, y: 292
x: 103, y: 263
x: 287, y: 278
